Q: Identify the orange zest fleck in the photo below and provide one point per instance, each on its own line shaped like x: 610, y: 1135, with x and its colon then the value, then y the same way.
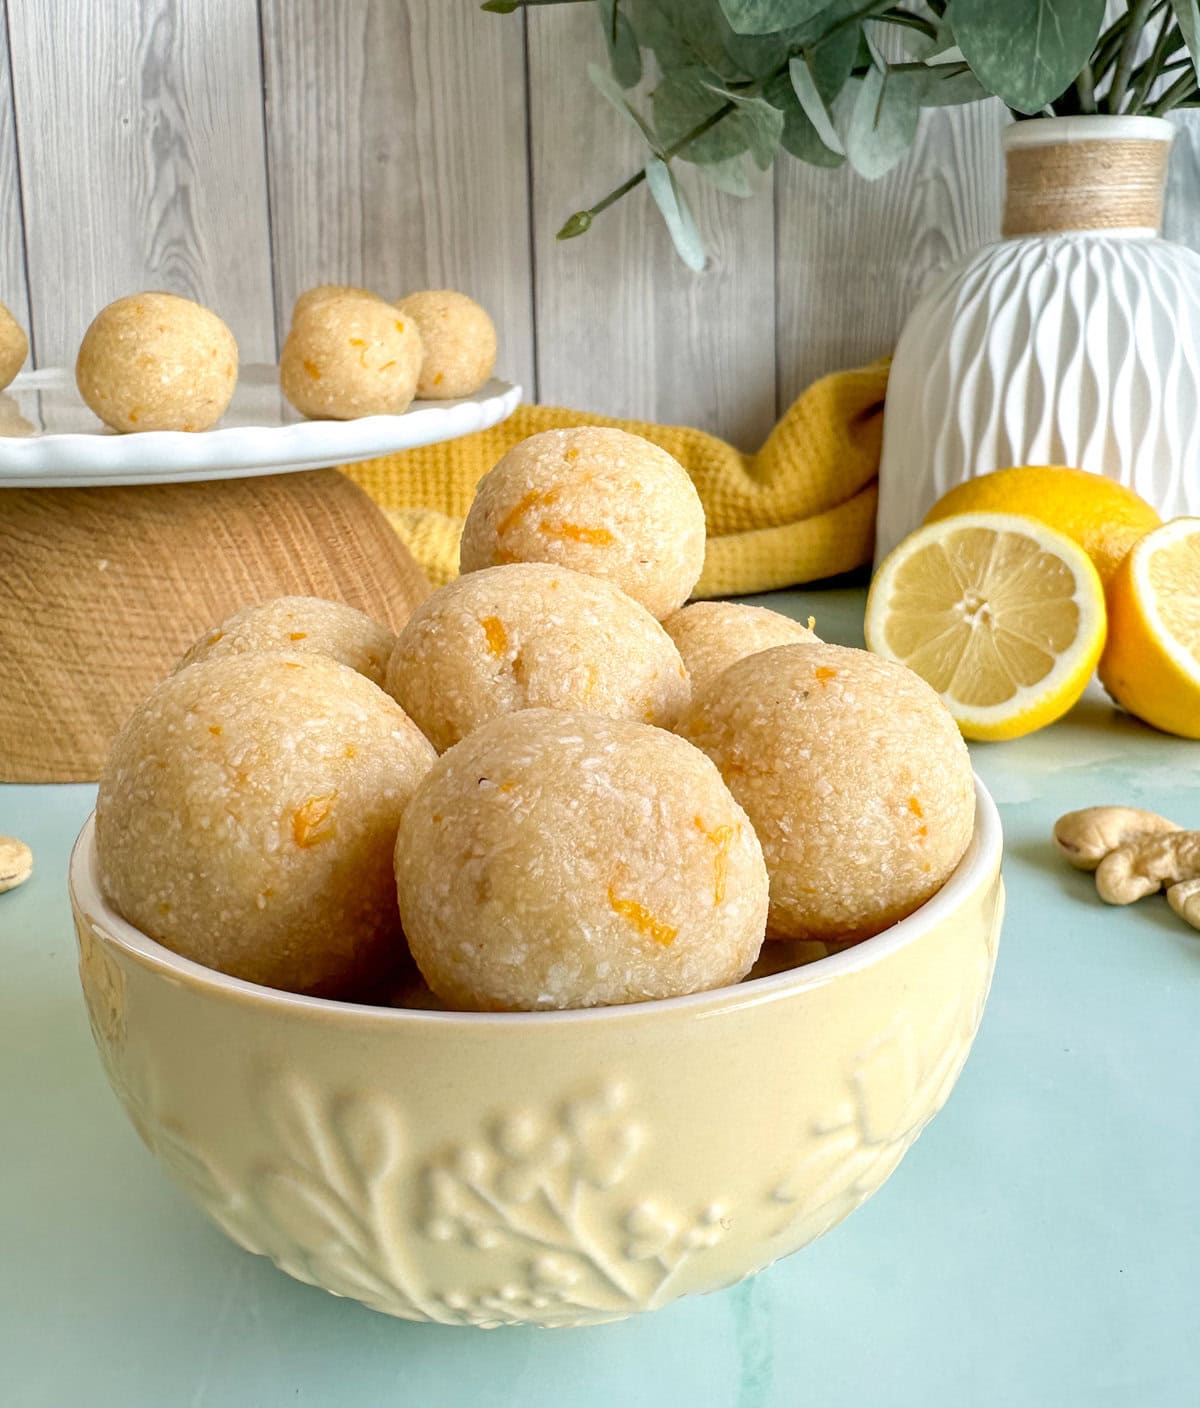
x: 914, y: 806
x: 507, y: 786
x: 216, y: 730
x: 297, y: 635
x: 350, y: 751
x: 533, y: 498
x: 216, y: 636
x: 577, y: 533
x: 386, y: 365
x: 641, y: 919
x: 923, y: 832
x: 572, y: 453
x: 825, y: 674
x: 399, y: 326
x: 722, y: 838
x: 311, y: 368
x: 357, y: 342
x: 133, y: 415
x: 497, y: 636
x: 437, y: 381
x: 312, y: 822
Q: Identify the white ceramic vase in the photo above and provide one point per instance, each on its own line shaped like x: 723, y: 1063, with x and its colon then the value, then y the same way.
x: 1076, y: 340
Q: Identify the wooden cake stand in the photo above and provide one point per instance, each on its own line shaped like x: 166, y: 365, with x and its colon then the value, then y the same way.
x: 103, y: 585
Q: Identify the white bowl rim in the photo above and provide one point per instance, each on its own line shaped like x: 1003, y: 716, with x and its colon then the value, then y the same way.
x: 980, y: 859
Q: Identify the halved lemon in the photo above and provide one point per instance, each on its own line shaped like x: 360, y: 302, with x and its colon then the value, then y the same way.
x: 1151, y: 665
x: 1003, y: 616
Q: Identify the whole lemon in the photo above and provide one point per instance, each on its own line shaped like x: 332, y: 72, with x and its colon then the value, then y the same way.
x: 1102, y: 516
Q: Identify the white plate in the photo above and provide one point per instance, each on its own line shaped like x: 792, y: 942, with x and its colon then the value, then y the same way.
x: 51, y: 440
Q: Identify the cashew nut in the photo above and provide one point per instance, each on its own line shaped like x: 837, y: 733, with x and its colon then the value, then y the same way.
x: 1144, y: 867
x: 16, y: 863
x: 1085, y: 837
x: 1184, y: 899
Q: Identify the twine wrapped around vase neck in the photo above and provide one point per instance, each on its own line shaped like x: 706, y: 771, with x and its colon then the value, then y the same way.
x: 1105, y: 184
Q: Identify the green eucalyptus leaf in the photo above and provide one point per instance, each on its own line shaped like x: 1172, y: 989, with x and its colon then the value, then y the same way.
x: 769, y: 16
x: 695, y: 33
x: 800, y: 137
x: 606, y: 84
x: 676, y: 213
x: 730, y: 177
x: 764, y: 129
x: 947, y: 85
x: 685, y: 99
x: 624, y: 55
x: 804, y: 86
x: 1187, y: 16
x: 1027, y: 51
x: 831, y: 59
x: 883, y: 122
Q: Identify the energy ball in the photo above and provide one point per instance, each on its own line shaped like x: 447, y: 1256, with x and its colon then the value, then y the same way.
x: 558, y: 860
x: 303, y: 624
x: 459, y: 340
x: 312, y: 296
x: 349, y: 356
x: 854, y: 775
x: 531, y: 635
x: 247, y: 816
x: 597, y: 500
x: 14, y: 346
x: 712, y: 635
x: 154, y: 361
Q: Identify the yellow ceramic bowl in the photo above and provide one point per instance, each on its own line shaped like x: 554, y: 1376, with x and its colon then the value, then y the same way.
x: 550, y: 1168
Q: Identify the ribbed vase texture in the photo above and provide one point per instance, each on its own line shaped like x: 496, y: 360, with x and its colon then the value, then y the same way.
x: 1077, y: 349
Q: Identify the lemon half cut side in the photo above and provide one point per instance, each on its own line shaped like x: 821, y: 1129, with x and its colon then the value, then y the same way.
x: 1002, y: 615
x: 1151, y: 665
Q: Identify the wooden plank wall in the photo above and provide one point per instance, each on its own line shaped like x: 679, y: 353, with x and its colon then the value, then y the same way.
x: 240, y: 150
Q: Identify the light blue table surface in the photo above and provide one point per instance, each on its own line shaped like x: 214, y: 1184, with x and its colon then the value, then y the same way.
x: 1039, y: 1246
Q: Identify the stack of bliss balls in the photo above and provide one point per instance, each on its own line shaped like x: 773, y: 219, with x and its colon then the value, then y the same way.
x: 557, y: 787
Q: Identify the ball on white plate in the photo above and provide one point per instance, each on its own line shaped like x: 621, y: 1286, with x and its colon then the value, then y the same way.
x: 348, y: 356
x: 459, y: 339
x: 155, y: 361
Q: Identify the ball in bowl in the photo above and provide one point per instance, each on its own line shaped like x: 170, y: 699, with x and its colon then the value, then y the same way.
x: 300, y: 624
x: 247, y: 815
x: 459, y: 339
x: 597, y: 500
x: 855, y: 778
x: 155, y: 361
x: 556, y: 859
x: 531, y: 635
x: 348, y: 356
x: 712, y: 635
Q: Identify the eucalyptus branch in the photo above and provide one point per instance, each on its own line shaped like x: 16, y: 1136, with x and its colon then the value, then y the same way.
x: 907, y: 20
x: 1148, y: 73
x: 1139, y: 13
x: 506, y: 7
x: 581, y: 221
x: 1085, y: 88
x: 1181, y: 91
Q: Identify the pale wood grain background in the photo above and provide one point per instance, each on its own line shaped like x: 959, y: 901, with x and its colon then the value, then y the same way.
x: 238, y: 151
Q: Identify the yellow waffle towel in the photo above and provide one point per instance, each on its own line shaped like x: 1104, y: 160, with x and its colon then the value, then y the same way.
x: 800, y: 509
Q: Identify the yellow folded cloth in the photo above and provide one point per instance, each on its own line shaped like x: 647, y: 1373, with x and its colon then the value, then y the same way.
x: 800, y: 509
